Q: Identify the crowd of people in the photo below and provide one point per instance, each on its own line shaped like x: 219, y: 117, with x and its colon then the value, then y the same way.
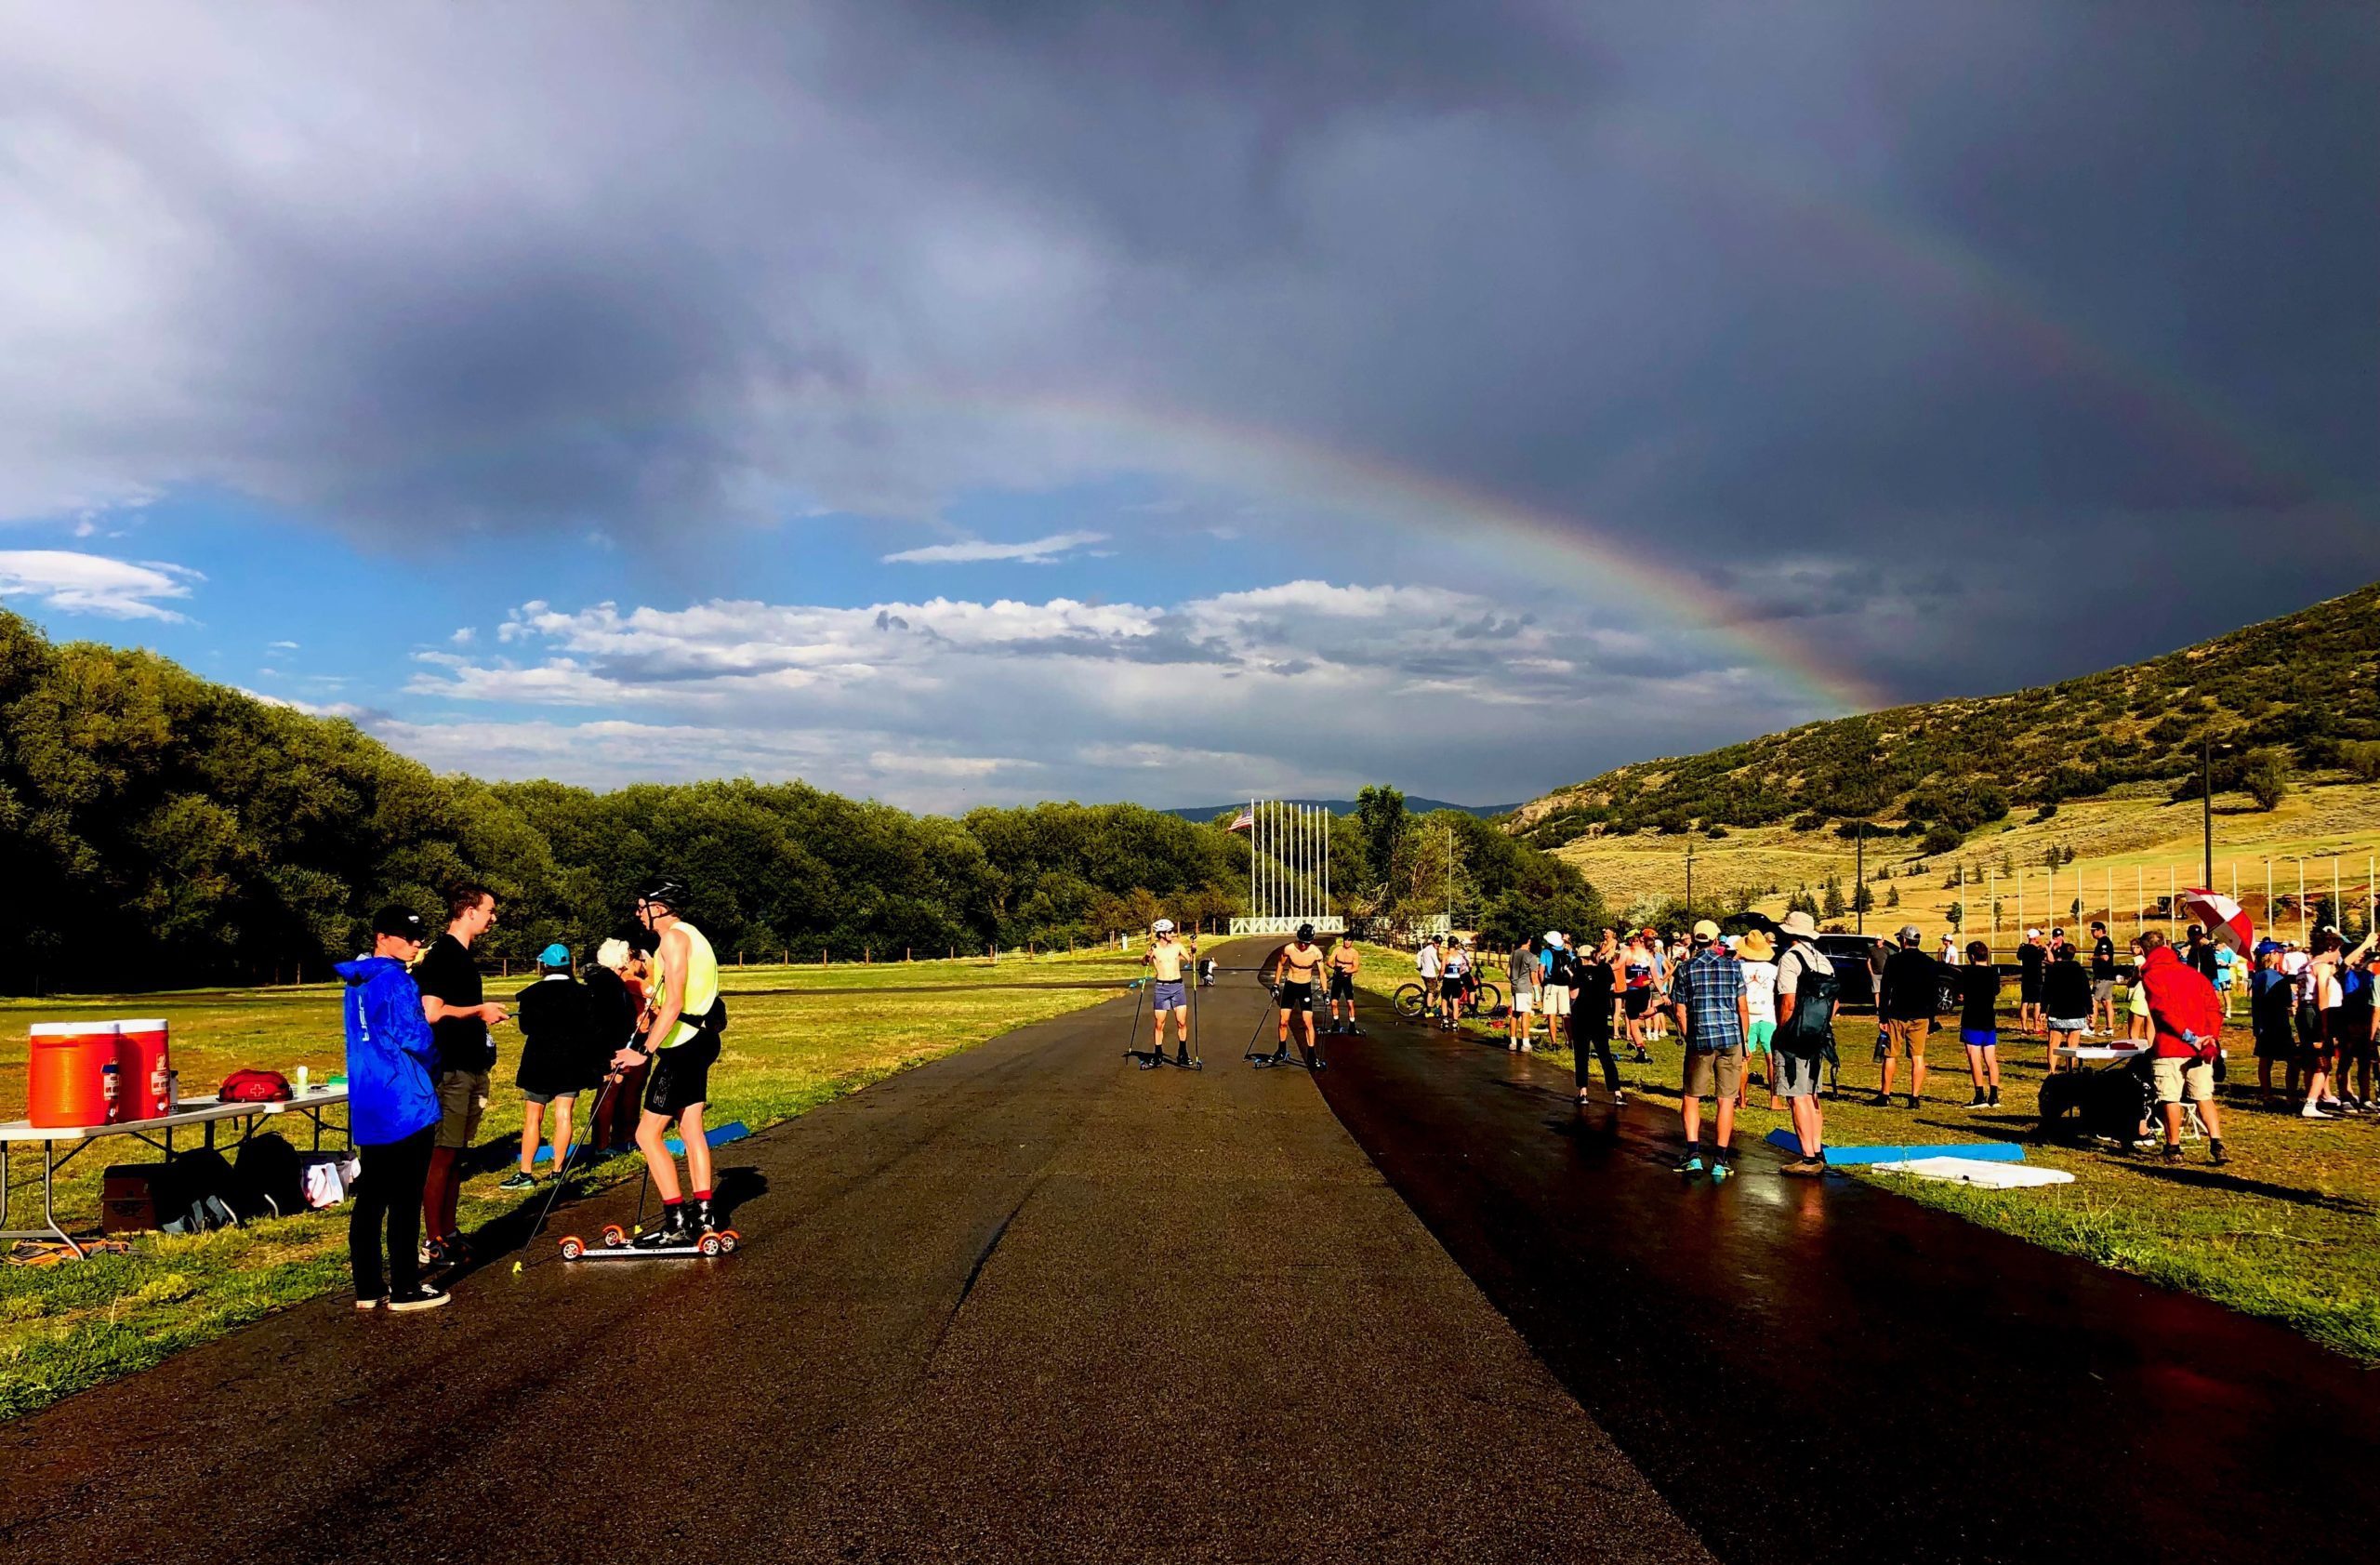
x: 1757, y: 1011
x: 637, y: 1022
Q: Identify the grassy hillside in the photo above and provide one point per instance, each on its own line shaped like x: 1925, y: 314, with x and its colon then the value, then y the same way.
x: 2296, y: 700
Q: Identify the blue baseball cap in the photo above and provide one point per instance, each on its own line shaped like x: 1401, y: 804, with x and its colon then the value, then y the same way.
x: 555, y: 955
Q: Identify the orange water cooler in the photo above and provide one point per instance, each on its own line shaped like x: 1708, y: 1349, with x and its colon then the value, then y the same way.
x: 148, y: 1064
x: 66, y: 1073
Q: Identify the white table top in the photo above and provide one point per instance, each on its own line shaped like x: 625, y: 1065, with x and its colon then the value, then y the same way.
x: 194, y: 1111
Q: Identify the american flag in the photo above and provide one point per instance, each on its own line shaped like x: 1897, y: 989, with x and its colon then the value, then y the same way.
x: 1246, y: 822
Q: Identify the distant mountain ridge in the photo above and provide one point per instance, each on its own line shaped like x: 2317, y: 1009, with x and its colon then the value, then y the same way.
x: 1414, y: 804
x: 2299, y: 695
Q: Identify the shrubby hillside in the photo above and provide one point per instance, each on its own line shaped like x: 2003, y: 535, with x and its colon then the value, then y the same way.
x: 159, y: 830
x: 2290, y: 697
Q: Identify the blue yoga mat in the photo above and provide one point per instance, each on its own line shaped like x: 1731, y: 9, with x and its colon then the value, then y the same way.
x: 717, y: 1135
x: 1981, y: 1152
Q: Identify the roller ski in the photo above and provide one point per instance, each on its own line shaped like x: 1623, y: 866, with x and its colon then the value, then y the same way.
x: 1310, y: 1059
x: 679, y: 1238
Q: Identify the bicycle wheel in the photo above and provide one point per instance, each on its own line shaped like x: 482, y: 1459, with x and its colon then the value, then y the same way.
x: 1409, y: 999
x: 1489, y: 998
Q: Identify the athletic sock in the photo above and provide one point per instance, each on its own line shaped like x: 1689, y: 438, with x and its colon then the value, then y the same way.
x: 703, y: 1195
x: 669, y: 1202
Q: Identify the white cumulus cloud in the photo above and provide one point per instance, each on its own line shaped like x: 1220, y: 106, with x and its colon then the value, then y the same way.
x: 68, y: 582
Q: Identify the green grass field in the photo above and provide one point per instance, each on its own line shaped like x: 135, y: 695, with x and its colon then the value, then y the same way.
x: 799, y: 1037
x: 2286, y: 1230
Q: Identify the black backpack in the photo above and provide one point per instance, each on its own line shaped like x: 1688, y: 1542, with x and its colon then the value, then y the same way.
x: 1810, y: 1033
x: 269, y: 1180
x: 190, y: 1193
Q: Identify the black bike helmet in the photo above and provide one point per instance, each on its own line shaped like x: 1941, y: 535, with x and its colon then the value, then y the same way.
x: 1305, y: 933
x: 668, y: 890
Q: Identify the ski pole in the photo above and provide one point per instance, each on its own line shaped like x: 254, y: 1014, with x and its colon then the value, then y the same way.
x: 561, y: 1165
x: 1132, y: 1032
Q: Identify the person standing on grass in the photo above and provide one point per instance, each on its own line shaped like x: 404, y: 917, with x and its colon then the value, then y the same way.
x: 1907, y: 997
x: 1760, y: 995
x: 2324, y: 996
x: 1636, y: 992
x: 1980, y: 1023
x: 2356, y: 1047
x: 681, y: 1044
x: 2271, y: 998
x: 2066, y: 1000
x: 2103, y: 979
x: 1346, y: 963
x: 1555, y: 964
x: 1520, y: 971
x: 1707, y: 994
x: 1592, y: 985
x: 1803, y: 1037
x: 559, y: 1060
x: 2187, y: 1020
x: 392, y: 1109
x: 460, y: 1016
x: 1430, y: 965
x: 2227, y: 966
x: 2137, y: 1008
x: 2031, y: 961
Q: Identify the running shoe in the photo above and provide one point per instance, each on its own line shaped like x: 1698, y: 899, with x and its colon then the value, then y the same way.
x: 1978, y: 1101
x: 1690, y: 1164
x: 371, y: 1301
x: 1619, y: 1094
x: 1722, y: 1165
x: 1882, y: 1100
x: 1995, y: 1099
x: 1804, y: 1168
x: 424, y: 1296
x: 2215, y: 1149
x: 519, y: 1179
x: 2173, y: 1153
x: 2310, y: 1112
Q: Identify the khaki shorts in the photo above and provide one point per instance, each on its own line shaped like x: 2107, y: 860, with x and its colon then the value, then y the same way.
x: 1906, y: 1041
x: 2176, y: 1078
x: 1523, y: 1002
x: 1554, y: 1000
x: 462, y: 1098
x: 1719, y: 1071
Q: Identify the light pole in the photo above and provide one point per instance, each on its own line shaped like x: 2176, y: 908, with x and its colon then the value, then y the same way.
x: 1860, y: 877
x: 2207, y: 747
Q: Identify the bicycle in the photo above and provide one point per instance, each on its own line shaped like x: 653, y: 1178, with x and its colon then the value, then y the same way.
x: 1413, y: 999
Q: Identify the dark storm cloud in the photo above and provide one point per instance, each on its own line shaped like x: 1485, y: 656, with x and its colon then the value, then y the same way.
x: 1977, y: 342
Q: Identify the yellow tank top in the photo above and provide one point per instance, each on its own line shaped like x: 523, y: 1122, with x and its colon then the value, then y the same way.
x: 702, y: 983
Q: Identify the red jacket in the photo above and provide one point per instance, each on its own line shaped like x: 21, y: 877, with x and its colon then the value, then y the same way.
x: 2180, y: 999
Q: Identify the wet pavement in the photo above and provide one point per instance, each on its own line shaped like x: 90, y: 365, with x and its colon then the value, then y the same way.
x: 1027, y: 1303
x: 1830, y: 1371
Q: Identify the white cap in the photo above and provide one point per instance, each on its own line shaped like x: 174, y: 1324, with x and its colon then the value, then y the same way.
x: 1553, y: 938
x: 2032, y: 934
x: 1163, y: 927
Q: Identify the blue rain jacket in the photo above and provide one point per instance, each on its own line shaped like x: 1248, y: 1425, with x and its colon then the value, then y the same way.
x: 389, y: 1051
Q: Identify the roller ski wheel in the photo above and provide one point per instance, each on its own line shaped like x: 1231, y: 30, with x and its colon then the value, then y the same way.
x: 711, y: 1246
x: 574, y: 1248
x: 728, y: 1239
x: 613, y: 1236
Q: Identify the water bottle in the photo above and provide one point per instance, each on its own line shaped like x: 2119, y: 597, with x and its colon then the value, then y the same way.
x: 111, y: 1083
x: 301, y: 1080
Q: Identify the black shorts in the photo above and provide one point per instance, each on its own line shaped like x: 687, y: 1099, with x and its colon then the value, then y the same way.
x: 1636, y: 1002
x: 2028, y: 994
x: 1342, y: 987
x: 1297, y: 997
x: 681, y: 1075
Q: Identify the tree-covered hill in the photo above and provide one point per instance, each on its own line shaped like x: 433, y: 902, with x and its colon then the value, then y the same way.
x: 2292, y: 696
x: 157, y: 829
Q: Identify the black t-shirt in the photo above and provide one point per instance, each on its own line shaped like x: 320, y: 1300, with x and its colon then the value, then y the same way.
x: 1911, y: 986
x: 2202, y: 958
x: 2103, y: 958
x: 556, y: 1018
x: 612, y: 1009
x: 1591, y: 977
x: 445, y: 972
x: 1979, y: 994
x: 2029, y: 962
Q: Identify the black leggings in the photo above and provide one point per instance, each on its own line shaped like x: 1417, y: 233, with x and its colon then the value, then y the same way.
x: 1597, y: 1039
x: 390, y: 1191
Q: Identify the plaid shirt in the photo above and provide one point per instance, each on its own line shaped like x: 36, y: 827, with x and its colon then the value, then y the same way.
x: 1708, y: 984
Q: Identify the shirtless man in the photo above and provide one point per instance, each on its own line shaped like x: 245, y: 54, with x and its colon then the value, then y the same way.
x: 1295, y: 970
x: 1166, y: 958
x: 1344, y: 962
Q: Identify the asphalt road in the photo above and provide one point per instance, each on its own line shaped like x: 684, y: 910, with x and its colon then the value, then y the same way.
x: 1830, y: 1372
x: 1028, y: 1302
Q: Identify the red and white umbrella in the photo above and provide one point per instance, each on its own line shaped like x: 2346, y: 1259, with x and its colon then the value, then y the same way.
x: 2222, y: 918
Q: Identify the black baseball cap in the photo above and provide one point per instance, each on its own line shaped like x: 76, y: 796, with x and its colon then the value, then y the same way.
x: 403, y: 923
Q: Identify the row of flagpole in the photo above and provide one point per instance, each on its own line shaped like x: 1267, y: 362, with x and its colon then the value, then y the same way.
x: 1289, y: 860
x: 2176, y: 892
